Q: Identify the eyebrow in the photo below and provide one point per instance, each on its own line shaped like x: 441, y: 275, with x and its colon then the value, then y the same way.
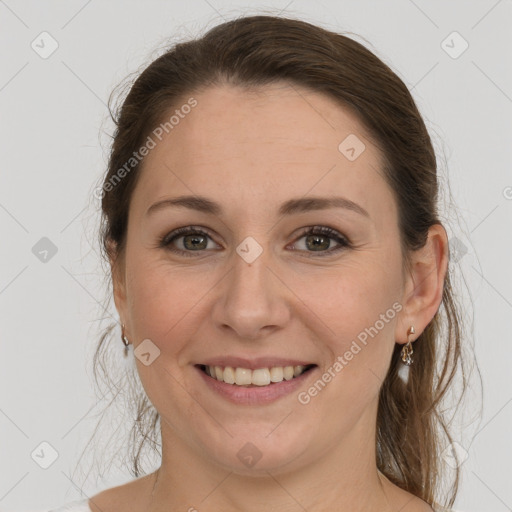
x: 290, y: 207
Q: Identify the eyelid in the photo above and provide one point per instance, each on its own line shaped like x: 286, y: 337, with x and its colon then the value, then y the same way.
x: 166, y: 240
x: 342, y: 240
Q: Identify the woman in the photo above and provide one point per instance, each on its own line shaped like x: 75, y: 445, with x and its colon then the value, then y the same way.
x: 278, y: 266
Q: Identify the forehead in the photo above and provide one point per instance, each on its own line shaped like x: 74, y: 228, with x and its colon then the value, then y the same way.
x: 280, y: 118
x: 262, y: 145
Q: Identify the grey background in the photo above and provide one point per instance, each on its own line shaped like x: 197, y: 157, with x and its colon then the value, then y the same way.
x: 53, y: 125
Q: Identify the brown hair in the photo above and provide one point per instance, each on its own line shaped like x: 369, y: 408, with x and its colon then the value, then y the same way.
x: 412, y: 428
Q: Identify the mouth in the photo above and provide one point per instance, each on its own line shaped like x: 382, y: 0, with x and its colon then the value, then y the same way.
x: 257, y: 378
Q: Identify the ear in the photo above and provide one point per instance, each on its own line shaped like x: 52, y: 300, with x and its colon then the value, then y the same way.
x: 118, y: 281
x: 423, y: 291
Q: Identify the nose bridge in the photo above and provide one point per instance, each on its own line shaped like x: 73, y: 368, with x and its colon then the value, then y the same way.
x: 251, y: 298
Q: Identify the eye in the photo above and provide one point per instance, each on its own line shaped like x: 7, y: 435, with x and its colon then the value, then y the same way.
x: 318, y: 238
x: 195, y: 239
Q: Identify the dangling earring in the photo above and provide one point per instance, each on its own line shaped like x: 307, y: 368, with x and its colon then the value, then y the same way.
x: 125, y: 341
x: 407, y: 349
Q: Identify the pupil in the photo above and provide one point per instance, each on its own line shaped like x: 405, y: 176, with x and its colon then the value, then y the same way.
x: 316, y: 244
x: 194, y: 239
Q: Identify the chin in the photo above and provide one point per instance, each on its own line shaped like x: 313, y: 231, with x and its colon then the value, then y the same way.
x: 258, y: 454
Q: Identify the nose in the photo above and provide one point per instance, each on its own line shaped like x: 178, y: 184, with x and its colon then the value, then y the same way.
x: 252, y: 301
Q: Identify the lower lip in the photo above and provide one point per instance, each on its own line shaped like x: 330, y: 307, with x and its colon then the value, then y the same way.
x: 255, y: 395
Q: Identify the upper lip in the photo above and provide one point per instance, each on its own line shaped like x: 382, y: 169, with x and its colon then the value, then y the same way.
x: 253, y: 363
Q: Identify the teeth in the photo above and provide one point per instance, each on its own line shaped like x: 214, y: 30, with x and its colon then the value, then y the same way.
x: 229, y: 375
x: 259, y: 377
x: 219, y: 373
x: 242, y: 376
x: 288, y: 372
x: 276, y: 374
x: 297, y: 370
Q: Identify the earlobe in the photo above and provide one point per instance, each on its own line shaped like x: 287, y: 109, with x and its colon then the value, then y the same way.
x: 424, y: 288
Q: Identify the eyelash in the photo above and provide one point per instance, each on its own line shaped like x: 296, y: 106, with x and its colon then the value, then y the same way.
x: 165, y: 242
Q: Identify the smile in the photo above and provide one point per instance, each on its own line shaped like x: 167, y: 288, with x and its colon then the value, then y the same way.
x: 257, y: 377
x: 274, y: 382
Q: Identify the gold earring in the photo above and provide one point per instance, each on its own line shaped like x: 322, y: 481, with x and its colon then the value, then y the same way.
x: 125, y: 341
x: 407, y: 350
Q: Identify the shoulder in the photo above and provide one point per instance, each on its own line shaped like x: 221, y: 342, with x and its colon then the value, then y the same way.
x: 131, y: 497
x: 402, y: 500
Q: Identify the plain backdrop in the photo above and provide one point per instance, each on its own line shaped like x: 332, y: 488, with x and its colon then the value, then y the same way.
x: 54, y: 122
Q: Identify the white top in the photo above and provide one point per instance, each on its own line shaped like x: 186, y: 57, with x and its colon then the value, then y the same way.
x: 74, y: 506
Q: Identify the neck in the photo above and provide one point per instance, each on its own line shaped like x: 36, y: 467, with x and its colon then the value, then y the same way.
x: 344, y: 478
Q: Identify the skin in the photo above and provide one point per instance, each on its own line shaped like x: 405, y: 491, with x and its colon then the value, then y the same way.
x: 250, y: 151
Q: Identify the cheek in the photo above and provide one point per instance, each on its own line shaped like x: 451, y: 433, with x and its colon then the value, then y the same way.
x: 339, y: 304
x: 348, y: 298
x: 168, y: 303
x: 159, y: 299
x: 353, y: 312
x: 358, y: 316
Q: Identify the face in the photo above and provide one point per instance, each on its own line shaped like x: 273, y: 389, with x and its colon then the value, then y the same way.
x: 253, y: 284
